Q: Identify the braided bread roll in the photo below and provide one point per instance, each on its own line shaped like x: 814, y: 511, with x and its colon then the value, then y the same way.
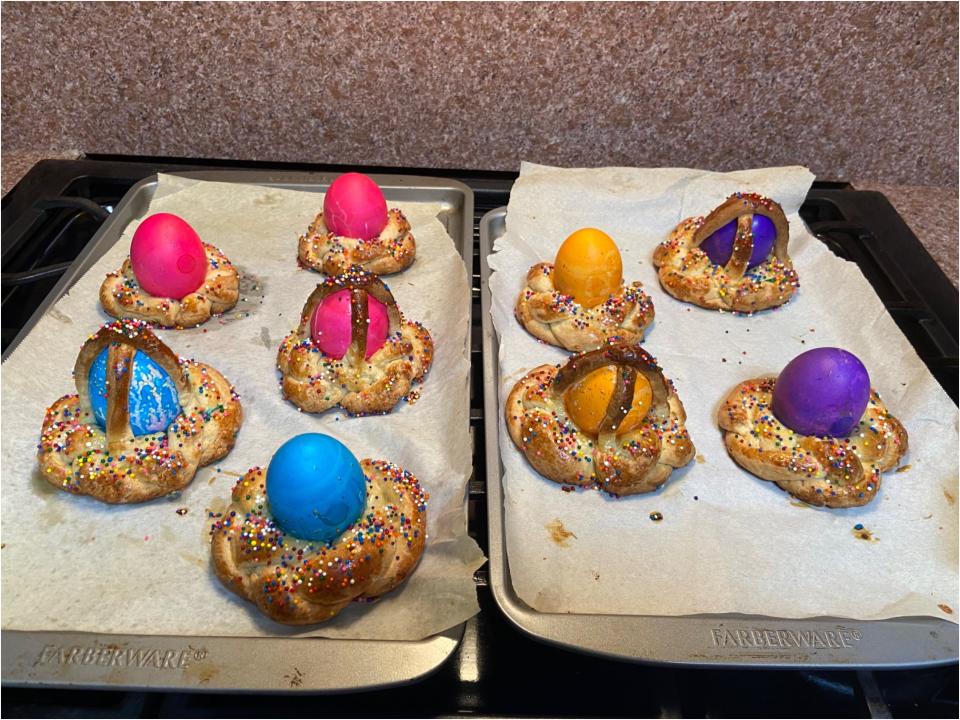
x: 113, y: 464
x: 822, y: 471
x: 687, y: 273
x: 638, y: 461
x: 315, y: 382
x: 393, y: 250
x: 559, y: 320
x: 299, y: 582
x: 123, y: 297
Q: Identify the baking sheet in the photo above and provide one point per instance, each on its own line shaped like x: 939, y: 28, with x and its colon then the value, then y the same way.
x: 145, y: 569
x: 728, y: 542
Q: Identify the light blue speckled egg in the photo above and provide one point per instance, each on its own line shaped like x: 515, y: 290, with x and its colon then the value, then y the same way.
x: 153, y: 399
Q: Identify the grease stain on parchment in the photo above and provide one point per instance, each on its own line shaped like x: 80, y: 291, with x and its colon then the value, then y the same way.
x: 193, y: 560
x: 268, y: 199
x: 59, y: 316
x: 558, y: 533
x: 51, y: 515
x: 265, y: 338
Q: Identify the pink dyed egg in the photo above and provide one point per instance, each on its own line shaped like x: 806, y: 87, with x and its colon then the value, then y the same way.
x: 331, y: 328
x: 167, y: 256
x: 355, y: 207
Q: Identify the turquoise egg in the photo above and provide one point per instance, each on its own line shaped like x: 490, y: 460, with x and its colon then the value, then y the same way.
x: 153, y: 400
x: 315, y: 487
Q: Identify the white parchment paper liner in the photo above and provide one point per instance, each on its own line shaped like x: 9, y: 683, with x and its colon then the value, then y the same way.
x: 73, y: 563
x: 728, y: 542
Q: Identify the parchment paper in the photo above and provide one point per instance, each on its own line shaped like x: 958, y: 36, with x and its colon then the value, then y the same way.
x: 728, y: 542
x: 73, y: 563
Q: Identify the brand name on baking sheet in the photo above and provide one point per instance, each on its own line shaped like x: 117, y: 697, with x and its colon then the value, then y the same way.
x: 754, y: 638
x: 113, y: 656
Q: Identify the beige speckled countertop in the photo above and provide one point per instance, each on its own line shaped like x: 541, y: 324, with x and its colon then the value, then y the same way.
x: 852, y: 90
x: 931, y: 212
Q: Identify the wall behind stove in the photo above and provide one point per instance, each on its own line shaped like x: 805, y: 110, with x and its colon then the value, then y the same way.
x: 851, y: 90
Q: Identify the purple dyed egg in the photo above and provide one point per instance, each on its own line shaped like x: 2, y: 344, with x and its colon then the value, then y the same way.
x: 822, y: 392
x: 719, y: 245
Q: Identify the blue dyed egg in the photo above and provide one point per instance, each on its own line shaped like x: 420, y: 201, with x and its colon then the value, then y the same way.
x: 315, y: 487
x: 823, y: 391
x: 153, y: 400
x: 719, y: 245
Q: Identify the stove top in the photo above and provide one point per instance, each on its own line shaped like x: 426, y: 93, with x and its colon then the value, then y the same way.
x: 497, y: 670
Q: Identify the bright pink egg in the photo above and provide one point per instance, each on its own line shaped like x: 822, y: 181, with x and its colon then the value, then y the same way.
x: 167, y: 256
x: 355, y: 207
x: 331, y: 327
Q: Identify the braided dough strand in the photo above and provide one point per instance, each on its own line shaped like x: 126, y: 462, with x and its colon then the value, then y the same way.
x: 122, y: 296
x: 823, y: 471
x: 298, y: 582
x: 637, y: 461
x: 559, y: 320
x: 393, y: 250
x: 115, y: 466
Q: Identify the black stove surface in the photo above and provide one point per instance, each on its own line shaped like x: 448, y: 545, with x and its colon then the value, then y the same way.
x: 497, y: 670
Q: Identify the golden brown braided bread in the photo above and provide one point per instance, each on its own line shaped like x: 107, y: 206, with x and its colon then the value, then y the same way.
x: 300, y: 582
x: 314, y: 381
x: 687, y: 273
x: 835, y: 472
x: 637, y: 461
x: 559, y: 320
x: 393, y: 250
x: 114, y: 465
x: 122, y: 296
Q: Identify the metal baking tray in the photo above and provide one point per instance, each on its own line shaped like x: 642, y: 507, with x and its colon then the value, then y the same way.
x: 236, y: 664
x: 692, y: 640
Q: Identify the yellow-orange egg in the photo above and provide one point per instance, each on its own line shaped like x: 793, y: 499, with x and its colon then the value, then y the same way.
x: 586, y: 401
x: 588, y: 267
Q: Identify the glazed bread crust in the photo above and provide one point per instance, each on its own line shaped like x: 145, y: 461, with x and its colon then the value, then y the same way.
x: 114, y: 465
x: 560, y: 320
x: 122, y: 296
x: 299, y: 582
x: 822, y: 471
x: 392, y: 251
x: 638, y: 461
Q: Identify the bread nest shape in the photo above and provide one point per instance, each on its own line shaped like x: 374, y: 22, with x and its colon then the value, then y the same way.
x: 114, y: 465
x: 392, y: 251
x: 686, y: 272
x: 823, y: 471
x: 638, y: 461
x: 123, y: 297
x: 301, y: 582
x: 560, y: 320
x: 315, y: 381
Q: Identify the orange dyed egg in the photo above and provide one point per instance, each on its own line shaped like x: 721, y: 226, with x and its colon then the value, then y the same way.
x: 586, y: 401
x: 588, y: 267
